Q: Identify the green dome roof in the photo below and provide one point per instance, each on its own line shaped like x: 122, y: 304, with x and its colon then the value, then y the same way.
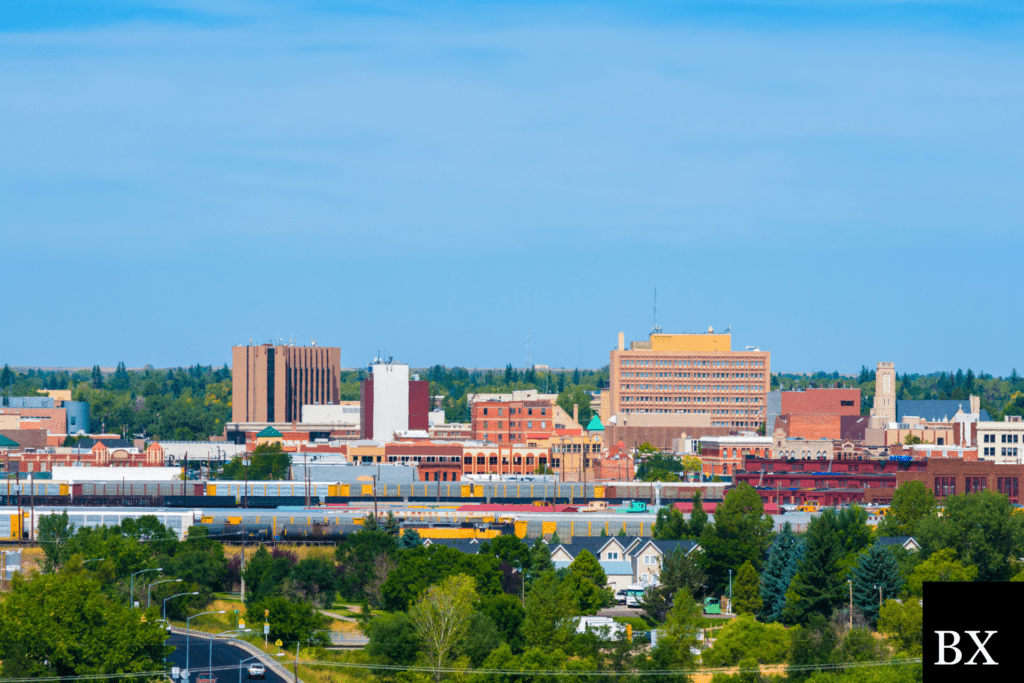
x: 269, y: 432
x: 595, y: 425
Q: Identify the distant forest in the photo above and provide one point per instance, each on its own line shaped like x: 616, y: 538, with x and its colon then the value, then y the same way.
x: 194, y: 403
x: 1000, y: 396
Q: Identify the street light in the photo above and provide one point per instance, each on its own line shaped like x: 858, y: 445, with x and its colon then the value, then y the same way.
x: 879, y: 587
x: 175, y: 596
x: 850, y: 581
x: 188, y: 631
x: 131, y: 596
x: 149, y: 590
x: 230, y: 630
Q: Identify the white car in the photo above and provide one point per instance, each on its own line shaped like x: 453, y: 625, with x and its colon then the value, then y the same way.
x: 257, y: 671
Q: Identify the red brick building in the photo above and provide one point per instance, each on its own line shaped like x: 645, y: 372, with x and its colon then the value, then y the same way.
x: 503, y: 459
x: 91, y: 453
x: 511, y: 422
x: 435, y: 461
x: 828, y: 482
x: 947, y: 477
x: 818, y: 413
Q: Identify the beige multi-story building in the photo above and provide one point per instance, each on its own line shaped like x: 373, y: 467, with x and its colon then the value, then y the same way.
x: 691, y: 374
x: 271, y: 383
x: 1002, y: 442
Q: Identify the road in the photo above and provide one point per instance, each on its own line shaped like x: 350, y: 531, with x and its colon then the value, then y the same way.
x: 224, y: 654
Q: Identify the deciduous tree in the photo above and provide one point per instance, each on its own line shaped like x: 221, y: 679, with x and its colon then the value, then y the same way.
x: 441, y: 617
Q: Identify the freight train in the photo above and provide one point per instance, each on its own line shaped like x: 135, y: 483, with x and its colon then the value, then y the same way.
x: 267, y: 495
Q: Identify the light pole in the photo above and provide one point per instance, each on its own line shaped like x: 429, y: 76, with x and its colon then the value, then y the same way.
x: 243, y: 661
x: 95, y: 559
x: 131, y: 596
x: 230, y: 630
x: 245, y: 500
x: 175, y: 596
x: 730, y: 591
x: 149, y: 590
x: 188, y: 631
x: 879, y: 587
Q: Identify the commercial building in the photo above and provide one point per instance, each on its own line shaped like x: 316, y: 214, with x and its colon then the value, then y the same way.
x: 691, y: 374
x: 664, y: 431
x: 726, y: 455
x: 271, y: 383
x: 948, y: 477
x: 817, y: 413
x: 525, y: 417
x: 1002, y: 442
x: 51, y: 414
x: 392, y: 401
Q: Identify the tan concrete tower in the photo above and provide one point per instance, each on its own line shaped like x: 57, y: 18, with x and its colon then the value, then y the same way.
x: 884, y: 410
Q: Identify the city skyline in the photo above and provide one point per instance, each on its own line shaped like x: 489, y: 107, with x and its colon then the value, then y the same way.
x: 833, y: 181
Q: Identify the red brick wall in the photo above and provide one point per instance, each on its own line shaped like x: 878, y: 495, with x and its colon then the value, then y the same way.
x: 815, y: 426
x: 821, y: 401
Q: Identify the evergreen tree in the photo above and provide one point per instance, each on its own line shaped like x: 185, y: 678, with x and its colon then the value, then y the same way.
x: 877, y: 574
x: 391, y: 525
x: 746, y: 596
x: 540, y: 559
x: 670, y: 524
x: 554, y: 540
x: 6, y: 378
x: 783, y: 558
x: 97, y: 377
x: 622, y: 533
x: 818, y: 586
x: 741, y: 532
x: 698, y: 518
x: 410, y: 539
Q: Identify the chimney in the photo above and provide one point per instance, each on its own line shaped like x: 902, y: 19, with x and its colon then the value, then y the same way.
x: 622, y: 341
x: 975, y: 405
x: 576, y: 412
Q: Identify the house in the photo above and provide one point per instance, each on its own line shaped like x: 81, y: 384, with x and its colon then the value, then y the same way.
x: 648, y: 557
x: 612, y: 553
x: 470, y: 546
x: 906, y: 542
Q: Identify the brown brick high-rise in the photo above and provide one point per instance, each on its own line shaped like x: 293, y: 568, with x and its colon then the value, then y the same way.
x: 271, y: 383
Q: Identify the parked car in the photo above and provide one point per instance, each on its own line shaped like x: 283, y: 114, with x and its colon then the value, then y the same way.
x: 257, y: 671
x: 206, y: 678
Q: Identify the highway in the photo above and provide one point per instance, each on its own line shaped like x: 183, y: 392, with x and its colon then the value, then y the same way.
x: 224, y: 655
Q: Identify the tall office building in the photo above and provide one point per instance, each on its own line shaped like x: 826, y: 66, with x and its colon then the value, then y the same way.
x: 271, y: 383
x: 691, y: 373
x: 391, y: 401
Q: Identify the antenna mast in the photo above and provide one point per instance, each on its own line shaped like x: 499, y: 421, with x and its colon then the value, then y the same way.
x: 655, y: 329
x: 529, y: 364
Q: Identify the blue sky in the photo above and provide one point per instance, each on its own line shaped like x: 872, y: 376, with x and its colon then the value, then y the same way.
x: 838, y: 182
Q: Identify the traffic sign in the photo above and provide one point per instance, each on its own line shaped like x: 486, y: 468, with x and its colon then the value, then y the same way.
x: 266, y: 629
x: 184, y: 675
x: 266, y: 613
x: 241, y: 624
x: 175, y: 671
x: 278, y: 642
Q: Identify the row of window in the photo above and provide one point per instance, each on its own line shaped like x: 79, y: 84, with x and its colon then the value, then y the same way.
x: 500, y: 425
x: 493, y: 460
x: 1008, y: 486
x: 516, y: 411
x: 1007, y: 451
x: 694, y: 363
x: 692, y: 387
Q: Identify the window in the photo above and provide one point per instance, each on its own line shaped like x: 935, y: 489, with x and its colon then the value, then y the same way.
x: 615, y: 556
x: 485, y: 411
x: 529, y: 424
x: 846, y: 403
x: 975, y: 484
x: 945, y: 486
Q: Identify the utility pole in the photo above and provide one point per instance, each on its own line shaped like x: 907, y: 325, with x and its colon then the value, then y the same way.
x: 851, y: 603
x: 374, y: 476
x: 32, y: 508
x: 296, y: 666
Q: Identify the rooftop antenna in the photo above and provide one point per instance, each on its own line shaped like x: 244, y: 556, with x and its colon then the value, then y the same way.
x: 655, y: 329
x: 529, y: 364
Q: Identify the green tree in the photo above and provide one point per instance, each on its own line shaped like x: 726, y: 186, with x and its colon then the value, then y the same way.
x: 63, y: 624
x: 818, y: 585
x: 393, y: 640
x: 419, y: 568
x: 540, y: 559
x: 357, y: 558
x: 587, y: 583
x: 265, y: 575
x: 875, y: 578
x: 903, y: 624
x: 678, y: 638
x: 679, y: 571
x: 441, y: 617
x: 981, y: 528
x: 670, y: 525
x: 941, y: 566
x: 54, y: 532
x: 268, y: 462
x: 783, y: 557
x: 507, y: 614
x: 482, y: 638
x: 313, y: 580
x: 548, y: 608
x: 290, y: 621
x: 508, y: 548
x: 698, y: 518
x: 743, y: 638
x: 410, y: 538
x: 575, y: 394
x: 911, y: 503
x: 741, y: 532
x: 746, y: 590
